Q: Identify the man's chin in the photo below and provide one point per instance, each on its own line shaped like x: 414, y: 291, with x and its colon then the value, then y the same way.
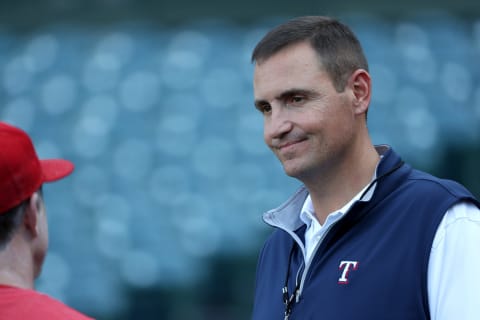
x: 291, y: 171
x: 297, y: 171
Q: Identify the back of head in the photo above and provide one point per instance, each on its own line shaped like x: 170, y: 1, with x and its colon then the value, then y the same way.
x: 21, y: 171
x: 9, y: 222
x: 338, y: 49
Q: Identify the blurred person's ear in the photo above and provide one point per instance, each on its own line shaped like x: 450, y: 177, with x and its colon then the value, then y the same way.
x: 32, y: 214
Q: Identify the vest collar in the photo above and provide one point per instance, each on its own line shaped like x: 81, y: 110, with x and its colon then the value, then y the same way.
x: 287, y: 215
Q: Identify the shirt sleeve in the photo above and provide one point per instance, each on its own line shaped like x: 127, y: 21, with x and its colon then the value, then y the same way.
x: 453, y: 280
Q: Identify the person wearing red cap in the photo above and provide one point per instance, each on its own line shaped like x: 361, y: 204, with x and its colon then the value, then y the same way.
x: 24, y: 229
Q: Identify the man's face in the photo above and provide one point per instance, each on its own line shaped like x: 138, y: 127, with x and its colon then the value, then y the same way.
x: 307, y: 123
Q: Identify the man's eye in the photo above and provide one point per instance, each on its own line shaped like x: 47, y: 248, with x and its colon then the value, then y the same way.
x: 296, y: 99
x: 265, y: 108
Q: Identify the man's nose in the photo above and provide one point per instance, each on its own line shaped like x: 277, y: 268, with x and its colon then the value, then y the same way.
x: 278, y: 124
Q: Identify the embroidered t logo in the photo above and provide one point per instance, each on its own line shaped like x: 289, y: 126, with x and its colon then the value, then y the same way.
x: 346, y: 267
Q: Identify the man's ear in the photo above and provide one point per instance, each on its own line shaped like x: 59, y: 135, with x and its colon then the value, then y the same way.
x: 360, y: 84
x: 32, y: 211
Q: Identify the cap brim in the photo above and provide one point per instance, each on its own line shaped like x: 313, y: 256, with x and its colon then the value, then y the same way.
x: 55, y: 169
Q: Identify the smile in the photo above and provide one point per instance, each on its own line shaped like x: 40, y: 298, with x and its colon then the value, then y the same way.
x: 289, y: 145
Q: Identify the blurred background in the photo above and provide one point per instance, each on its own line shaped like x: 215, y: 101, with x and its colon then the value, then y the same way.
x: 153, y: 102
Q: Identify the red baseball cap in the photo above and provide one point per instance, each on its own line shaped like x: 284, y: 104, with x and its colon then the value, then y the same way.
x: 21, y: 172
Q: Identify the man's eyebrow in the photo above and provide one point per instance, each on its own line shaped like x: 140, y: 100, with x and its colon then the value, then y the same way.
x: 286, y: 94
x: 295, y: 91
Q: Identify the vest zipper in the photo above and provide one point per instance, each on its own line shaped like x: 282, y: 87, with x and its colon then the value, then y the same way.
x: 307, y: 265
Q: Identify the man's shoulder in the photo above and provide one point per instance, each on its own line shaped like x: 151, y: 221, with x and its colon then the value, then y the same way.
x: 277, y: 236
x: 426, y: 182
x: 20, y: 303
x: 43, y: 306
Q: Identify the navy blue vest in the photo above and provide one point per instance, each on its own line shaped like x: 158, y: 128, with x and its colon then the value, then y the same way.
x: 389, y: 238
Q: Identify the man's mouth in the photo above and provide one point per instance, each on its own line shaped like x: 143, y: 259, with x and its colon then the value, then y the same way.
x: 289, y: 144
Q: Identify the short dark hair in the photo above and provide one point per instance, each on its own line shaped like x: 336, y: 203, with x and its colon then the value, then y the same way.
x: 338, y: 48
x: 10, y: 221
x: 12, y: 218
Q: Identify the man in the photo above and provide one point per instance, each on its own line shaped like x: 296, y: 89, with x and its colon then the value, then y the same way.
x: 367, y: 236
x: 23, y: 228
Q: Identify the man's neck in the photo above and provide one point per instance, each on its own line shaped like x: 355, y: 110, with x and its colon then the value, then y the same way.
x: 16, y: 266
x: 336, y: 188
